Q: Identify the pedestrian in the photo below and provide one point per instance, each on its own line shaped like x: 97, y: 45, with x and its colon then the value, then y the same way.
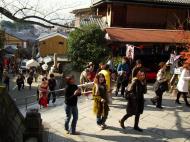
x: 85, y: 78
x: 29, y: 81
x: 52, y: 85
x: 105, y: 71
x: 43, y: 93
x: 6, y: 81
x: 160, y: 86
x: 1, y: 72
x: 135, y: 104
x: 183, y: 84
x: 23, y: 79
x: 123, y: 71
x: 19, y: 82
x: 71, y: 97
x: 101, y: 101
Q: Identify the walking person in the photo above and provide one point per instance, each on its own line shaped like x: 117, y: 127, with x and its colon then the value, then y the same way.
x: 100, y: 96
x: 29, y: 81
x: 183, y: 84
x: 71, y: 97
x: 160, y: 86
x: 43, y: 93
x: 6, y: 81
x: 123, y: 71
x: 135, y: 104
x: 19, y: 82
x: 52, y: 85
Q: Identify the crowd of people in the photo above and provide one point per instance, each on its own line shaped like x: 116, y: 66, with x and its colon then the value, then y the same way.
x: 126, y: 78
x: 133, y: 84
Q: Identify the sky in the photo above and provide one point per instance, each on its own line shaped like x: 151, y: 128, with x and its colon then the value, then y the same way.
x: 62, y: 7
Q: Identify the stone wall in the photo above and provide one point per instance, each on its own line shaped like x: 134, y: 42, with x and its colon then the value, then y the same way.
x: 11, y: 120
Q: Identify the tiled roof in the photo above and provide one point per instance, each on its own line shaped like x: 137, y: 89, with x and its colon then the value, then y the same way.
x: 23, y: 36
x: 176, y: 2
x: 93, y: 19
x: 147, y: 35
x: 50, y: 35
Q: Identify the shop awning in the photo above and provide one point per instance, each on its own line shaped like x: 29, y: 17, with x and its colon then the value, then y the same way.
x: 147, y: 35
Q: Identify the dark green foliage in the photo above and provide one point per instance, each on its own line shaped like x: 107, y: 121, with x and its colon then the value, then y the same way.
x: 87, y: 44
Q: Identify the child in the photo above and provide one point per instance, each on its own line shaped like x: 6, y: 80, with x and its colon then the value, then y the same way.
x: 100, y: 95
x: 71, y: 97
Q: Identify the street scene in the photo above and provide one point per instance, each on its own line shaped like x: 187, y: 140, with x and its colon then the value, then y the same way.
x: 94, y: 70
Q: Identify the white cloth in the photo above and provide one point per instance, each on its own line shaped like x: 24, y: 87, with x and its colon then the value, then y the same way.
x: 183, y: 82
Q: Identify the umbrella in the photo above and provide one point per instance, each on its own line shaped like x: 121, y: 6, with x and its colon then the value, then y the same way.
x: 47, y: 59
x: 45, y: 66
x: 32, y: 63
x: 11, y: 49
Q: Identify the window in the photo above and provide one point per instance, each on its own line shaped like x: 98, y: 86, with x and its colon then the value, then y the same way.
x: 61, y: 42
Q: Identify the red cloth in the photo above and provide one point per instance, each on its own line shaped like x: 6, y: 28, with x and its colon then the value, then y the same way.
x: 43, y: 101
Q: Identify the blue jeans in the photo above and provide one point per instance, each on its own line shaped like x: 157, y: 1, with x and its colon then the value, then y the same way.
x: 71, y: 110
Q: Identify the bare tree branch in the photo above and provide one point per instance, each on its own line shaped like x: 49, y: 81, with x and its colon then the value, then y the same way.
x: 9, y: 15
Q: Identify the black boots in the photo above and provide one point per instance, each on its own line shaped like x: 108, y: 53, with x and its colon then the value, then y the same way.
x: 122, y: 124
x: 136, y: 127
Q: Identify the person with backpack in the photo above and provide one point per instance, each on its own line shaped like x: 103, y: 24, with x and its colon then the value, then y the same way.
x: 52, y: 85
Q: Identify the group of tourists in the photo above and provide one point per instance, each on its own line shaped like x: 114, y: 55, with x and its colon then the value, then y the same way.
x: 133, y: 84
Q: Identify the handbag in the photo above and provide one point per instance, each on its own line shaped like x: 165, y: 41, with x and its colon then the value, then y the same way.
x: 164, y: 86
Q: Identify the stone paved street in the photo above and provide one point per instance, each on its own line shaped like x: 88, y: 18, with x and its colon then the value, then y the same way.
x: 172, y: 124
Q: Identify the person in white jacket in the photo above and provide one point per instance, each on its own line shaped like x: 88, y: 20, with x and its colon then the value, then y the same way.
x: 183, y: 84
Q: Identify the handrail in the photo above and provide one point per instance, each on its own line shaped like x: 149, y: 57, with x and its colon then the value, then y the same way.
x: 62, y: 89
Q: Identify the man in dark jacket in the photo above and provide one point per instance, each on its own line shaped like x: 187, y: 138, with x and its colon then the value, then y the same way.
x: 52, y: 85
x: 123, y: 71
x: 135, y: 104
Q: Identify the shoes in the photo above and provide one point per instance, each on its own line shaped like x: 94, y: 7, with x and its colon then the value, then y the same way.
x: 103, y: 126
x: 66, y: 132
x: 74, y: 133
x: 138, y: 129
x: 153, y: 102
x: 122, y: 124
x: 177, y: 102
x: 159, y: 107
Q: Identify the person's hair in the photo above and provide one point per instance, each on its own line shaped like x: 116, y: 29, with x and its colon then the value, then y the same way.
x: 161, y: 64
x: 97, y: 77
x: 138, y: 61
x: 51, y: 75
x: 44, y: 78
x: 69, y: 78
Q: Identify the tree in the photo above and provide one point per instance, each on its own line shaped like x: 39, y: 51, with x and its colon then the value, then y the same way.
x: 27, y: 12
x: 87, y: 44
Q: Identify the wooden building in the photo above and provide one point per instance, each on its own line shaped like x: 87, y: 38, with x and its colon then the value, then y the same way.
x: 11, y: 39
x: 53, y: 43
x: 156, y: 27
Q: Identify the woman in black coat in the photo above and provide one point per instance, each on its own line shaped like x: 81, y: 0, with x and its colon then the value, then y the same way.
x: 135, y: 104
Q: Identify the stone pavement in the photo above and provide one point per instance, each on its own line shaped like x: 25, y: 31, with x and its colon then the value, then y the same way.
x: 172, y: 124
